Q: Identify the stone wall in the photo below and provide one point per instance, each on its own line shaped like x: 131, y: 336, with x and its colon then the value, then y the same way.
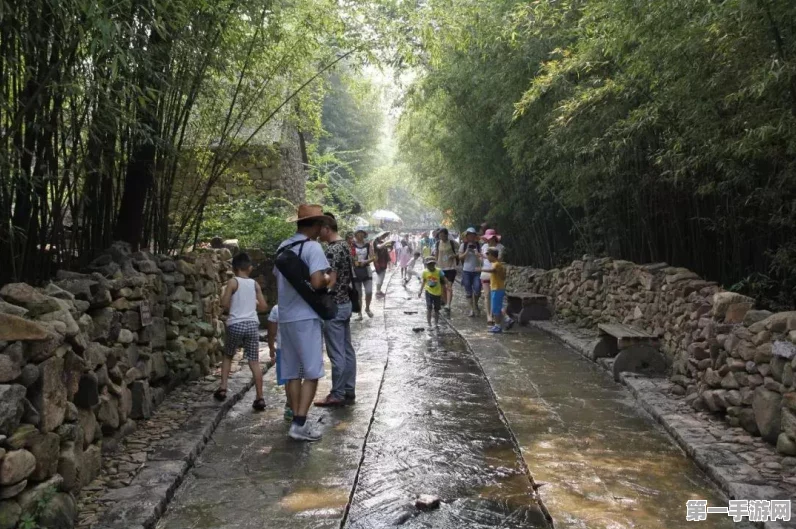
x: 724, y: 355
x: 89, y: 354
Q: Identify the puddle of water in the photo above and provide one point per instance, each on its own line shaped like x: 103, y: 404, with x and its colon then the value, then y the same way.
x: 315, y: 499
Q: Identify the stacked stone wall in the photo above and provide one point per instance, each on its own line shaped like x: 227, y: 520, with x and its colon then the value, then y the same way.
x: 724, y: 355
x: 86, y: 356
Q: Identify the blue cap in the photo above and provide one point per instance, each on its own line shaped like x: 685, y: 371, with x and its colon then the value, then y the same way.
x: 471, y: 230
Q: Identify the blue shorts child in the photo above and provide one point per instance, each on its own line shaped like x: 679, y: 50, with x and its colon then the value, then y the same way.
x: 497, y: 297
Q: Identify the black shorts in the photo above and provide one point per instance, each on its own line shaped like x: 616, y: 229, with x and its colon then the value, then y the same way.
x: 433, y: 302
x: 450, y: 275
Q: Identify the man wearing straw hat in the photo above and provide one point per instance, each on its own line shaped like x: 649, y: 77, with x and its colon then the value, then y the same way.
x: 300, y: 328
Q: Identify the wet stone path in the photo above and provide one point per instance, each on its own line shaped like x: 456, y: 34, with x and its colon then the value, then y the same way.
x: 428, y: 421
x: 601, y: 461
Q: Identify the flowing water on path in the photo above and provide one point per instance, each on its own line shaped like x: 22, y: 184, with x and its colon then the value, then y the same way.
x: 602, y: 461
x: 427, y: 422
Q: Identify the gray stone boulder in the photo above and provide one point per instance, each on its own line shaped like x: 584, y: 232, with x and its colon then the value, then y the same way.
x: 10, y: 512
x: 28, y: 297
x: 14, y: 310
x: 10, y: 491
x: 723, y: 300
x: 59, y: 513
x: 13, y: 328
x: 89, y: 426
x: 10, y: 368
x: 45, y: 447
x: 11, y: 407
x: 142, y: 400
x: 766, y: 406
x: 49, y: 394
x: 69, y: 462
x: 16, y: 466
x: 108, y: 414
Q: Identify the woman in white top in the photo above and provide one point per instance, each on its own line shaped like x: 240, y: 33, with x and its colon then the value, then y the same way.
x: 492, y: 240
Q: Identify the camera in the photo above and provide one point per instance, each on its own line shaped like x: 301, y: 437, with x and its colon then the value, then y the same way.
x: 472, y: 246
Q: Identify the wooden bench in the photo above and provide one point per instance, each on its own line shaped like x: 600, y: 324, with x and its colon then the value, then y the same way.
x: 526, y: 307
x: 632, y: 349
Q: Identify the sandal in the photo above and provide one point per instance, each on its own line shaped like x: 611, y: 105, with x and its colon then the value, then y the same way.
x: 220, y: 394
x: 258, y: 404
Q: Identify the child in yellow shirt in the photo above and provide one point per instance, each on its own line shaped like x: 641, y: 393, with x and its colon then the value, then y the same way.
x: 497, y: 287
x: 432, y: 283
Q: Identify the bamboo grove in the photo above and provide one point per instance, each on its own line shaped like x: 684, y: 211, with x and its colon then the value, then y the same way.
x: 650, y: 131
x: 104, y: 103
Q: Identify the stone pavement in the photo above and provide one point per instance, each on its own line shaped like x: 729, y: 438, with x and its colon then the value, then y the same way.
x: 142, y: 473
x: 743, y: 466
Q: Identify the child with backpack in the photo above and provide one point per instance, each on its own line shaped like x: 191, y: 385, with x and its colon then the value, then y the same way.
x: 242, y: 298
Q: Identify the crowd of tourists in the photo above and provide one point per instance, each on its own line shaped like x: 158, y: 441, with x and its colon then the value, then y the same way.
x: 320, y: 289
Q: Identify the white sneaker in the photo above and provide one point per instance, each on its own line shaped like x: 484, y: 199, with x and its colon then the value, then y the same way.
x: 303, y: 433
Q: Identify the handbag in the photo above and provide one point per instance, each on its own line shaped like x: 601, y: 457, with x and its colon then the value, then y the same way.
x: 297, y: 274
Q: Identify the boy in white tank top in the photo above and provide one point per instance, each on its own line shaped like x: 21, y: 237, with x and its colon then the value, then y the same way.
x: 242, y: 298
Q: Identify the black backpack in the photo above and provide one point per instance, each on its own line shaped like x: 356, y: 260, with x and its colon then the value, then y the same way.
x: 297, y: 273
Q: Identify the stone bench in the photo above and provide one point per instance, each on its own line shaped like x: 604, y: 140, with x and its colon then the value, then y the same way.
x: 526, y: 307
x: 634, y: 350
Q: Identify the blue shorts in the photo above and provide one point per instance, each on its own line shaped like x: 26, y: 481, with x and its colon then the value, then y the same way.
x: 497, y: 301
x: 302, y: 349
x: 280, y: 381
x: 471, y: 281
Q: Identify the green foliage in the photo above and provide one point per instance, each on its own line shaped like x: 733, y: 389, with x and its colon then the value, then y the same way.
x: 255, y: 222
x: 651, y: 131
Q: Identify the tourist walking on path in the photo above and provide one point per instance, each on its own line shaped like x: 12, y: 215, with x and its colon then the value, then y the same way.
x: 337, y: 331
x: 300, y: 328
x: 470, y: 256
x: 381, y: 247
x: 242, y: 298
x: 433, y: 284
x: 445, y: 253
x: 404, y: 258
x: 497, y: 273
x: 363, y: 277
x: 492, y: 240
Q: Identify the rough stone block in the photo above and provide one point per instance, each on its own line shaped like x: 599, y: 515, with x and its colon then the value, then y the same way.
x: 766, y: 406
x: 142, y: 400
x: 16, y: 466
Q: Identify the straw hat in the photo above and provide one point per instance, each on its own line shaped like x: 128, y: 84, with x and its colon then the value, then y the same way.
x: 309, y: 211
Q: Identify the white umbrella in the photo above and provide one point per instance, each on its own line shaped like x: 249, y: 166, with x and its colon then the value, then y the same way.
x: 383, y: 214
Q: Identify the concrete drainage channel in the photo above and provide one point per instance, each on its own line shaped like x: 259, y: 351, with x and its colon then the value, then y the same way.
x: 678, y: 420
x: 140, y: 504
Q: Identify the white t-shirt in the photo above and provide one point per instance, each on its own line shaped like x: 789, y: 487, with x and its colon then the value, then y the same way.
x: 292, y: 305
x: 471, y: 260
x: 486, y: 265
x: 273, y: 317
x: 446, y: 258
